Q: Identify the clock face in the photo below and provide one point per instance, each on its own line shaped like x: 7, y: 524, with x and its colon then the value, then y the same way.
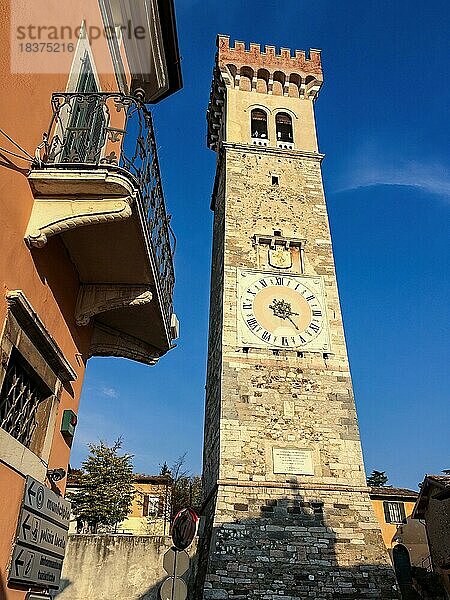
x: 283, y: 311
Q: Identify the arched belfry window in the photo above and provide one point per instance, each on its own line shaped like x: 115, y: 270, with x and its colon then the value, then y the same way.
x: 259, y: 123
x: 283, y: 124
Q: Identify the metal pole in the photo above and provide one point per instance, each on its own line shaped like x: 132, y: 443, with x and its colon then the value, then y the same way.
x: 174, y: 573
x: 165, y: 507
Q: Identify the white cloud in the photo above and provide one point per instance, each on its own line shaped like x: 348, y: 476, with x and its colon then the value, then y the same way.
x: 109, y: 392
x: 373, y: 165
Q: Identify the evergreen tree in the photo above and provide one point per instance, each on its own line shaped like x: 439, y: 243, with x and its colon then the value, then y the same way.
x: 377, y: 479
x: 106, y: 487
x: 165, y: 470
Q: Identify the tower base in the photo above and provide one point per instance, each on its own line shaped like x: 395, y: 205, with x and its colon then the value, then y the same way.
x: 275, y: 541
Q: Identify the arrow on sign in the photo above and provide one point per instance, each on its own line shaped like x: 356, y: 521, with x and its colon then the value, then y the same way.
x: 31, y: 493
x: 29, y: 564
x: 18, y: 563
x: 26, y: 527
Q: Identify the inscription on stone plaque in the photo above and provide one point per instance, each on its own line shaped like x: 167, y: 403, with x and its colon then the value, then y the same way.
x: 292, y: 461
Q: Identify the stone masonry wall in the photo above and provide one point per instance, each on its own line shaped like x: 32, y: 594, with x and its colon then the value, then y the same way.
x: 211, y: 458
x: 272, y: 535
x: 291, y: 544
x: 281, y: 399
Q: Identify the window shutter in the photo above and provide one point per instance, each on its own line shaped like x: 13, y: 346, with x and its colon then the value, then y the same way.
x: 387, y: 514
x: 401, y: 507
x: 145, y: 506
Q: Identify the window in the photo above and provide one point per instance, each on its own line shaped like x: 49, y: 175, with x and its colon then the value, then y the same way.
x: 283, y: 124
x: 25, y: 403
x: 32, y: 372
x: 86, y: 128
x: 394, y: 512
x: 275, y: 180
x: 259, y: 123
x: 150, y: 506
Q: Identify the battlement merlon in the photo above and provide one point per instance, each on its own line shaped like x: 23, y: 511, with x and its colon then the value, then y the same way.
x: 284, y: 61
x: 265, y: 72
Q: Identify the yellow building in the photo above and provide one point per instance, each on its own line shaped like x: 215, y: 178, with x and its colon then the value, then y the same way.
x: 393, y: 509
x: 150, y: 511
x: 151, y: 508
x: 405, y: 539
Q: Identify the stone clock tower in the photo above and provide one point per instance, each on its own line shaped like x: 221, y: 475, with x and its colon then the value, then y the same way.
x: 287, y: 511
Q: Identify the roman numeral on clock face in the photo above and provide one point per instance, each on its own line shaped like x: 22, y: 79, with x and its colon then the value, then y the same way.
x: 247, y: 306
x: 252, y: 323
x: 314, y: 327
x: 266, y: 336
x: 317, y: 313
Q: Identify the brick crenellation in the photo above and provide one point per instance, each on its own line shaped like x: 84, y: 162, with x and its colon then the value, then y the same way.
x: 269, y: 58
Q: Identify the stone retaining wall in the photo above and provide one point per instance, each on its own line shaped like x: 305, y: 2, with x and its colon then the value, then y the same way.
x: 103, y: 567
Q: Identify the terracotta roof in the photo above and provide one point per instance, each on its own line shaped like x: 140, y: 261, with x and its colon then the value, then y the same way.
x: 142, y: 478
x: 441, y: 482
x: 73, y: 476
x: 392, y: 491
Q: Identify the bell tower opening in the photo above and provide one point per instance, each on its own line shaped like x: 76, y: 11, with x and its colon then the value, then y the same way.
x: 259, y: 123
x: 283, y: 123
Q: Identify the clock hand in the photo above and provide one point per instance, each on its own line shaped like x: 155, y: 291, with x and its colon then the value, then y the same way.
x: 293, y: 321
x: 282, y: 309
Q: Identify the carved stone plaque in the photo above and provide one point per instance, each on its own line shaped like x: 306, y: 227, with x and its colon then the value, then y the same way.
x: 292, y: 461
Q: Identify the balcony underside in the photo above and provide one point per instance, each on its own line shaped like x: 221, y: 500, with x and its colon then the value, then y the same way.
x: 98, y: 215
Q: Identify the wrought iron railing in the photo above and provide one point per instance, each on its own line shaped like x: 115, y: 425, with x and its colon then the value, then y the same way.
x: 114, y: 130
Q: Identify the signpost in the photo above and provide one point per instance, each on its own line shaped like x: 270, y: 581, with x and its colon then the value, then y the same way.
x: 44, y: 502
x: 173, y: 589
x: 184, y: 528
x: 176, y: 559
x: 41, y: 537
x: 45, y: 535
x: 34, y: 567
x: 176, y: 563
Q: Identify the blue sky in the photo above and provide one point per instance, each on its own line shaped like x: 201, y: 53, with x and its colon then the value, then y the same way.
x: 383, y: 125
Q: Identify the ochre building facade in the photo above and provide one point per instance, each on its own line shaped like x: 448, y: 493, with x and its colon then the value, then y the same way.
x: 86, y: 263
x: 288, y: 513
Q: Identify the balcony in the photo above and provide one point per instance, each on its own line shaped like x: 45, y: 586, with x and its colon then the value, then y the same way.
x: 96, y: 184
